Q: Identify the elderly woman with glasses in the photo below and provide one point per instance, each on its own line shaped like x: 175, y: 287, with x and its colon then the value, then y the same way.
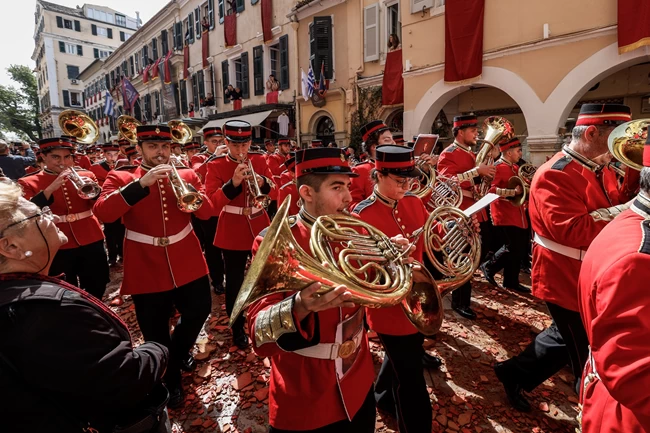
x: 400, y: 389
x: 66, y: 360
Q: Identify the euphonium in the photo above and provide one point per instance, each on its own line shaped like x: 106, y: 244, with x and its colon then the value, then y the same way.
x: 187, y: 198
x: 626, y: 142
x: 127, y: 127
x: 369, y: 265
x: 78, y: 125
x: 260, y: 200
x: 497, y: 128
x: 87, y: 189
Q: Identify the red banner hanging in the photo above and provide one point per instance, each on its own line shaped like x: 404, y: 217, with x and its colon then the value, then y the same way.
x: 186, y: 62
x: 167, y: 67
x: 392, y: 90
x: 464, y: 40
x: 633, y: 24
x: 267, y: 19
x: 230, y: 30
x: 205, y: 48
x: 154, y: 70
x: 145, y: 74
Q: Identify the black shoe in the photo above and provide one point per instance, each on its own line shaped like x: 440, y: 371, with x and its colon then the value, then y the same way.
x: 431, y: 361
x: 188, y: 363
x: 218, y: 290
x: 519, y: 288
x: 240, y: 339
x: 465, y: 312
x: 176, y: 397
x: 512, y: 388
x: 489, y: 277
x: 112, y: 262
x: 525, y: 270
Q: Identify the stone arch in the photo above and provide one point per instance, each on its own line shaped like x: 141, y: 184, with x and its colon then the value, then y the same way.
x: 315, y: 118
x: 440, y: 93
x: 581, y: 78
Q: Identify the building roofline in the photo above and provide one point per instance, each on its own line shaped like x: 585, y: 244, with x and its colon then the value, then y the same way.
x: 90, y: 66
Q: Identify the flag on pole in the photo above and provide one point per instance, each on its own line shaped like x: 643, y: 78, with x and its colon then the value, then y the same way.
x: 311, y: 80
x: 305, y: 84
x: 109, y: 108
x: 322, y: 86
x: 130, y: 94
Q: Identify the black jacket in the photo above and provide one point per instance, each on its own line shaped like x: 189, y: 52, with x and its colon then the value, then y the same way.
x: 74, y: 356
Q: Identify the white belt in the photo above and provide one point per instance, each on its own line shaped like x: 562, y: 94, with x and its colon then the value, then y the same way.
x: 574, y: 253
x: 241, y: 210
x: 159, y: 242
x: 72, y: 217
x: 467, y: 193
x: 333, y: 350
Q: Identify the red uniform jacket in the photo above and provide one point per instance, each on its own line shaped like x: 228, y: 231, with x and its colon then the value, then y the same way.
x: 64, y: 201
x: 275, y: 161
x: 286, y: 177
x: 503, y: 212
x: 614, y: 300
x: 455, y: 160
x: 235, y: 232
x: 101, y: 169
x: 562, y: 195
x: 298, y: 383
x: 197, y: 163
x: 289, y: 188
x: 361, y: 186
x: 153, y: 211
x: 82, y: 161
x: 394, y: 218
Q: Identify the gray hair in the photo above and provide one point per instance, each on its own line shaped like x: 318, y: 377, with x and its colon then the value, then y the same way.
x: 579, y: 131
x: 10, y: 206
x: 645, y: 181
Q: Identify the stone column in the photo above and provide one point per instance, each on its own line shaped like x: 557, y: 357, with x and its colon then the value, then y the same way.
x: 542, y: 146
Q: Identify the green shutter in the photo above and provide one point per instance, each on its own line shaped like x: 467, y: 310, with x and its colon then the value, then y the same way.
x: 211, y: 13
x: 321, y: 44
x: 62, y: 46
x: 93, y: 29
x: 96, y: 53
x: 245, y: 88
x: 284, y: 62
x: 77, y: 26
x: 225, y: 79
x: 80, y: 50
x: 66, y: 98
x: 109, y: 32
x: 258, y: 70
x: 59, y: 22
x: 240, y: 5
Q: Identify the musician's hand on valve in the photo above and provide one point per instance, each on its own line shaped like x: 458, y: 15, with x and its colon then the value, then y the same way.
x: 310, y: 301
x: 403, y: 244
x: 241, y: 173
x: 487, y: 170
x: 430, y: 160
x: 58, y: 183
x: 158, y: 172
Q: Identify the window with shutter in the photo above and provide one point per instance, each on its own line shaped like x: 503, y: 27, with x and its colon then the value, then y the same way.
x: 80, y: 50
x: 240, y: 5
x: 73, y: 72
x: 420, y: 5
x: 253, y: 2
x: 164, y: 43
x: 179, y: 35
x: 136, y: 58
x: 112, y: 82
x: 145, y: 56
x: 371, y: 33
x: 62, y: 46
x: 59, y: 22
x: 93, y: 29
x: 200, y: 77
x: 321, y: 46
x: 190, y: 26
x: 183, y: 92
x: 258, y: 70
x: 211, y: 13
x: 195, y: 92
x: 225, y: 79
x: 154, y: 49
x: 109, y: 33
x: 284, y: 62
x: 197, y: 22
x: 176, y: 98
x: 221, y: 10
x: 107, y: 82
x: 245, y: 88
x: 132, y: 65
x: 66, y: 98
x: 77, y: 26
x: 96, y: 53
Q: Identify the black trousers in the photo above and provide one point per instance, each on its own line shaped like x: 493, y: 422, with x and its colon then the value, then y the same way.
x: 508, y: 257
x: 564, y: 342
x: 206, y: 230
x: 400, y: 388
x: 362, y: 422
x: 235, y: 262
x: 194, y: 303
x: 114, y: 233
x: 85, y: 267
x: 462, y: 296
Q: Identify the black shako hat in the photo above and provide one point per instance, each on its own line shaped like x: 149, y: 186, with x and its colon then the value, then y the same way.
x: 397, y: 160
x: 322, y: 160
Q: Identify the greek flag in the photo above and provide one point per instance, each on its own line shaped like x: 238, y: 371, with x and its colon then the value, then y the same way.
x: 109, y: 107
x: 308, y: 83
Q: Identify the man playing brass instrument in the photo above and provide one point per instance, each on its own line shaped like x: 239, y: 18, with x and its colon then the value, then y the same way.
x: 164, y: 267
x: 82, y: 259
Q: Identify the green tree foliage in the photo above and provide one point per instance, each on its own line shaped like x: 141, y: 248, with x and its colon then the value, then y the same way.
x: 368, y: 108
x: 19, y: 106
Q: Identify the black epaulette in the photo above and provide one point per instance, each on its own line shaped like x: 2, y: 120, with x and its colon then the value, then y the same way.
x: 126, y: 167
x: 32, y: 174
x: 645, y: 241
x: 451, y: 148
x: 561, y: 163
x: 364, y: 204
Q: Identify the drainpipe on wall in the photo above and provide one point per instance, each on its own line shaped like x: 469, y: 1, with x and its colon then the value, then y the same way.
x: 297, y: 80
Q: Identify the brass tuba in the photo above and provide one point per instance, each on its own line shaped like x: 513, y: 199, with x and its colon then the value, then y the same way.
x: 80, y: 126
x: 497, y: 128
x: 181, y: 133
x: 127, y: 127
x: 626, y: 142
x: 369, y: 265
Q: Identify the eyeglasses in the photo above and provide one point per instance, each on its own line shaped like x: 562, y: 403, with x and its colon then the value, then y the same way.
x: 403, y: 183
x: 45, y: 212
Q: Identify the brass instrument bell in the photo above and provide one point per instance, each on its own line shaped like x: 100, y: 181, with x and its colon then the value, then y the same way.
x: 626, y: 142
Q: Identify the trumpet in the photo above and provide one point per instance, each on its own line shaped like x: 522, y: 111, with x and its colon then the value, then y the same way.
x: 260, y: 200
x: 187, y: 198
x: 86, y: 188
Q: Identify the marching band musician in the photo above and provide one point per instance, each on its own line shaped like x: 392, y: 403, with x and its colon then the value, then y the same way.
x: 400, y: 389
x: 315, y: 143
x: 177, y: 155
x: 124, y: 144
x: 213, y: 139
x: 458, y: 160
x: 289, y: 186
x: 613, y: 299
x: 113, y: 231
x: 239, y: 219
x: 568, y: 208
x: 305, y: 328
x: 511, y: 220
x: 192, y: 148
x: 164, y: 266
x: 276, y: 160
x: 373, y: 134
x: 83, y: 258
x: 80, y: 158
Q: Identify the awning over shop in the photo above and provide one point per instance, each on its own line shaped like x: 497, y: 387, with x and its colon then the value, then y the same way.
x: 254, y: 119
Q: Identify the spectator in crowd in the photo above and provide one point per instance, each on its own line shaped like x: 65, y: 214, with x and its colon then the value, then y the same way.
x: 205, y: 24
x: 64, y: 356
x: 14, y: 166
x: 233, y: 93
x: 393, y: 43
x: 272, y: 85
x: 209, y: 101
x: 190, y: 110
